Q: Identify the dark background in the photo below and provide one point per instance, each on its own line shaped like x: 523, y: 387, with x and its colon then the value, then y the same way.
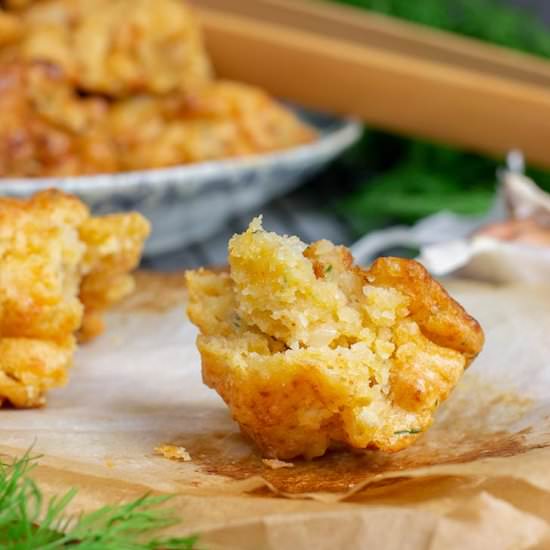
x: 542, y: 7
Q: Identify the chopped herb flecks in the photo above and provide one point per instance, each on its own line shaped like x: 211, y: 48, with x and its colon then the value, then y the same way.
x: 407, y: 432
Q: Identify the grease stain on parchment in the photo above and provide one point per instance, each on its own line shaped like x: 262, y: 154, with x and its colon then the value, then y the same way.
x: 478, y: 422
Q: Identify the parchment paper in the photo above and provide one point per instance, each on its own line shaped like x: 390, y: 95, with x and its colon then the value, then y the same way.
x: 483, y: 257
x: 480, y: 478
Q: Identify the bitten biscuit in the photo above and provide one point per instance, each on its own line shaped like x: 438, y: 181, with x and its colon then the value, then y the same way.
x: 311, y: 352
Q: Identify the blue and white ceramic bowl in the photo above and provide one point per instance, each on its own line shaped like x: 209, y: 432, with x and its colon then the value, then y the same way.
x: 186, y: 204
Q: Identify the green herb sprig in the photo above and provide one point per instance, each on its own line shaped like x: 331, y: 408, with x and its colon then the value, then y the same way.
x: 29, y: 522
x: 488, y: 20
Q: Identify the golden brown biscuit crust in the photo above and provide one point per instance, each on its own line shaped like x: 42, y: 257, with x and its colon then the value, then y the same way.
x: 441, y: 318
x: 46, y: 129
x: 118, y: 47
x: 224, y: 119
x: 311, y: 352
x: 120, y: 85
x: 113, y: 250
x: 52, y: 252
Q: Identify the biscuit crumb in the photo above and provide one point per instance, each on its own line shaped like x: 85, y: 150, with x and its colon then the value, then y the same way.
x: 276, y: 464
x: 173, y: 452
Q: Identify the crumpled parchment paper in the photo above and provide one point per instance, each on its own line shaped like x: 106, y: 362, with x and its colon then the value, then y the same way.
x: 482, y: 256
x: 463, y: 246
x: 480, y: 478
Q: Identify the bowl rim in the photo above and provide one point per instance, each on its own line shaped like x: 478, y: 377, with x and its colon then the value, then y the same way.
x: 340, y: 134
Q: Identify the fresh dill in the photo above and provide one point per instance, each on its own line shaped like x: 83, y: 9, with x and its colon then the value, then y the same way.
x: 29, y: 522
